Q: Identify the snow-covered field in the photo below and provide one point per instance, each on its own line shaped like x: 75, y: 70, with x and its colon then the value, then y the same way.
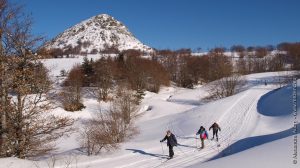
x: 56, y: 65
x: 256, y: 131
x: 277, y: 154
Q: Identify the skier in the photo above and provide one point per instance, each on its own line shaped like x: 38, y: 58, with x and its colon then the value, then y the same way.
x: 171, y: 142
x: 215, y: 127
x: 266, y: 83
x: 203, y: 135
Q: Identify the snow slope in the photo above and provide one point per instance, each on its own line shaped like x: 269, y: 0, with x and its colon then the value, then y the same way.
x: 56, y: 65
x: 242, y: 118
x: 277, y: 154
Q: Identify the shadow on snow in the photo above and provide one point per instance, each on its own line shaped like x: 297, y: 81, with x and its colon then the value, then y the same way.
x: 186, y: 102
x: 147, y: 153
x: 250, y: 142
x: 278, y: 102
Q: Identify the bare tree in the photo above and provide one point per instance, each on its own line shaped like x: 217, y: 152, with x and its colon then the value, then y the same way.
x: 70, y: 161
x: 225, y: 87
x: 218, y: 51
x: 219, y: 66
x: 261, y: 52
x: 238, y: 49
x: 184, y: 74
x: 103, y: 79
x: 284, y: 78
x: 109, y: 128
x: 98, y: 134
x: 259, y: 65
x: 169, y: 60
x: 71, y: 94
x: 28, y: 128
x: 276, y: 63
x: 145, y: 74
x: 242, y: 65
x: 56, y: 52
x: 124, y: 104
x: 292, y: 52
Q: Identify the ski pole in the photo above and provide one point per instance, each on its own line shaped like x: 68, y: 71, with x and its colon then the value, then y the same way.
x: 163, y: 152
x: 162, y: 148
x: 196, y: 142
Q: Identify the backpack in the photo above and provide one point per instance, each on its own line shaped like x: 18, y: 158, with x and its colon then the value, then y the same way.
x: 203, y: 135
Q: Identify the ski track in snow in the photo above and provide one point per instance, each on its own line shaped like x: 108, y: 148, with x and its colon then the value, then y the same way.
x: 238, y: 115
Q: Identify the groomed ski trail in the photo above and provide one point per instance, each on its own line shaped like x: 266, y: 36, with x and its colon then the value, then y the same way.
x: 239, y: 115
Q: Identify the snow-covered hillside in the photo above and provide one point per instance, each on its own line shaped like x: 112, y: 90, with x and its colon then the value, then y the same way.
x: 276, y: 154
x: 56, y: 65
x: 250, y: 121
x: 100, y: 31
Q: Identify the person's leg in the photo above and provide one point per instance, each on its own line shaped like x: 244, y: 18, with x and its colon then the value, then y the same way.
x: 214, y: 132
x: 217, y: 135
x: 202, y: 143
x: 171, y: 152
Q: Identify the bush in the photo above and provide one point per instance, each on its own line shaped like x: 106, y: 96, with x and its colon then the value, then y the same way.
x: 225, y: 87
x: 107, y: 129
x: 71, y: 93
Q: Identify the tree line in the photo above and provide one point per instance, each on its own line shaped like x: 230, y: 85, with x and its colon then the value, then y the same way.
x: 103, y: 76
x: 180, y: 67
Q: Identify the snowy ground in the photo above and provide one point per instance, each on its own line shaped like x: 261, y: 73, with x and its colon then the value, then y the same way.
x: 56, y: 65
x: 277, y: 154
x: 256, y: 128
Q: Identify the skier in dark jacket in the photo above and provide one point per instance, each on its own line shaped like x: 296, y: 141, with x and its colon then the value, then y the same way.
x: 171, y: 142
x: 203, y: 135
x: 215, y: 127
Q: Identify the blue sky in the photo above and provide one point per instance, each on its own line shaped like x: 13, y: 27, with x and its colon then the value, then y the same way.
x: 176, y: 24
